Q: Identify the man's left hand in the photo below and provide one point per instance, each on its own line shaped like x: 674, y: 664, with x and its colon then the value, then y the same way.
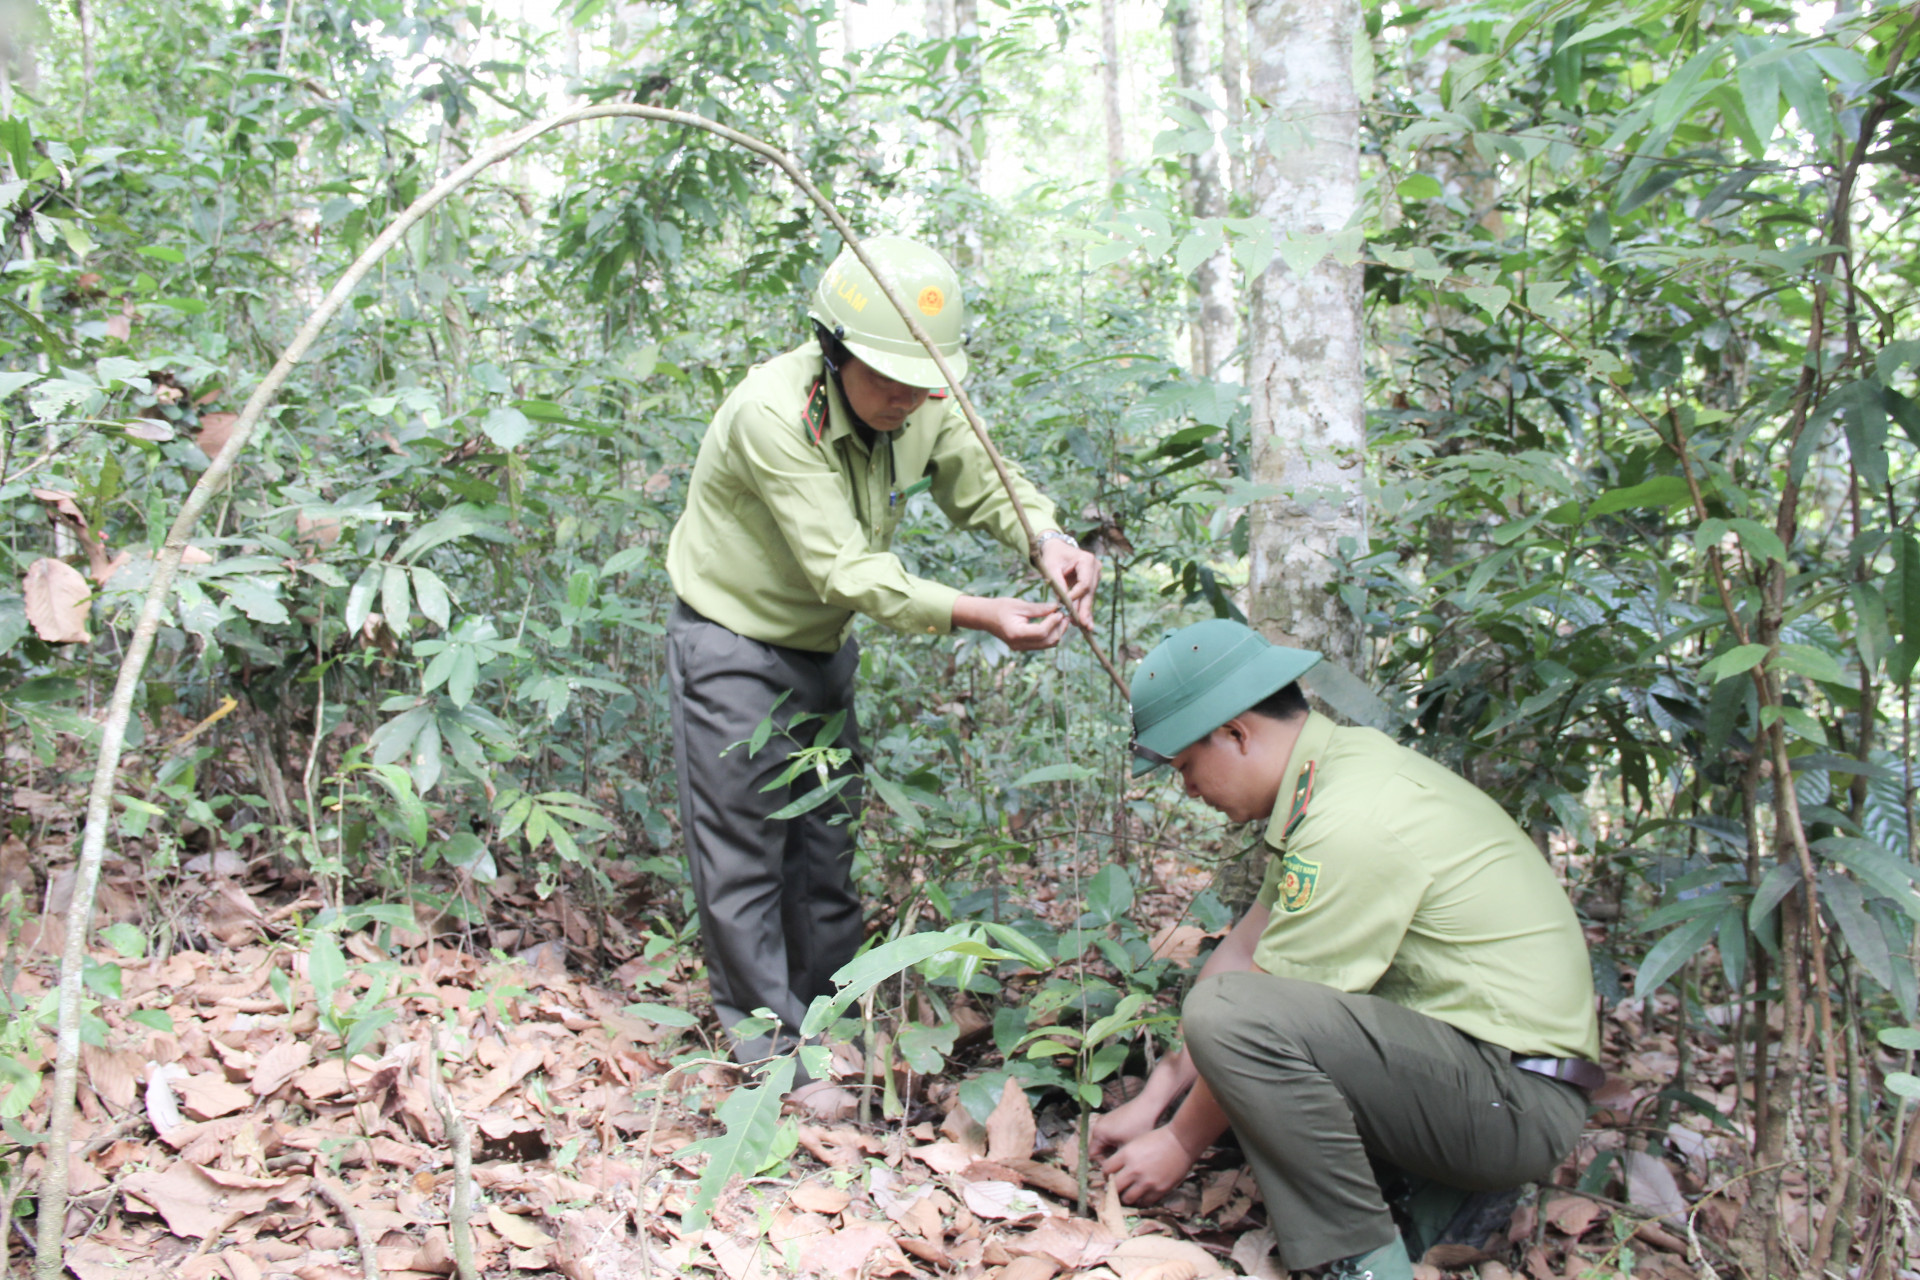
x: 1076, y: 570
x: 1148, y: 1167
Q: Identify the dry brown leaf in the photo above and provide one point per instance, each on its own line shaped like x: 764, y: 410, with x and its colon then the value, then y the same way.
x: 1010, y: 1129
x: 1113, y: 1214
x: 1032, y: 1267
x: 1572, y: 1214
x: 111, y: 1074
x: 195, y: 1205
x: 58, y: 601
x: 214, y: 430
x: 1074, y: 1243
x: 1045, y: 1177
x: 278, y: 1065
x: 861, y: 1250
x: 208, y: 1096
x: 1253, y: 1254
x: 1130, y: 1258
x: 1172, y: 1269
x: 943, y: 1157
x: 816, y: 1197
x: 1494, y: 1271
x: 518, y: 1231
x: 1651, y: 1185
x: 740, y: 1259
x: 1003, y: 1201
x: 1179, y: 942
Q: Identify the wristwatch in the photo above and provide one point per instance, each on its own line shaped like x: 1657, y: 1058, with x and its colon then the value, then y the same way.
x: 1052, y: 535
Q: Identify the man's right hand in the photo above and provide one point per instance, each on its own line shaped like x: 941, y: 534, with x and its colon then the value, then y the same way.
x: 1024, y: 625
x: 1124, y: 1123
x: 1145, y: 1169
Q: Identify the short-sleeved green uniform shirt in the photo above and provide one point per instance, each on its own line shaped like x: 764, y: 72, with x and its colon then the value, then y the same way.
x: 790, y: 516
x: 1393, y: 876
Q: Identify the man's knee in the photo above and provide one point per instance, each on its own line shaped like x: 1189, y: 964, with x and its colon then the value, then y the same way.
x: 1239, y: 1013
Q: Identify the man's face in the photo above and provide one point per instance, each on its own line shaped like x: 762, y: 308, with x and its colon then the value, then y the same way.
x: 1231, y: 771
x: 876, y: 399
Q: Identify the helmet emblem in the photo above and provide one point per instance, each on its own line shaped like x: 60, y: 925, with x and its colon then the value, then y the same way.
x: 932, y: 301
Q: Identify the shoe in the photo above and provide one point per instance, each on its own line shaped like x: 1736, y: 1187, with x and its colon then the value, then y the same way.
x: 1432, y: 1213
x: 1388, y: 1262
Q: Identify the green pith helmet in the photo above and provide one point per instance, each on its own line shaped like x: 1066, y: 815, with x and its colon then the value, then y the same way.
x: 1199, y: 678
x: 850, y: 304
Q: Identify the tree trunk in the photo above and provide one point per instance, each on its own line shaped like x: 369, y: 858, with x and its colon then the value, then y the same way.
x: 1213, y: 321
x: 1309, y: 418
x: 1110, y: 87
x: 1233, y: 71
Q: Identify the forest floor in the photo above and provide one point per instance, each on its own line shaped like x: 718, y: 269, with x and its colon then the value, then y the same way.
x: 227, y: 1136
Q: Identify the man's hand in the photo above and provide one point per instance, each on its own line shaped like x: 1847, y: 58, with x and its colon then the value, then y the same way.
x: 1148, y: 1167
x: 1124, y: 1123
x: 1023, y: 624
x: 1076, y: 570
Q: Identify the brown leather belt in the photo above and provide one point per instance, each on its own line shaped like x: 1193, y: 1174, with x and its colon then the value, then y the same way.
x: 1581, y: 1074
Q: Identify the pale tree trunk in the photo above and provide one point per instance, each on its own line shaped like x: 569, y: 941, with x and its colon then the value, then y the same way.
x: 1110, y: 88
x: 1233, y: 71
x: 971, y: 148
x: 1213, y: 321
x: 1308, y: 428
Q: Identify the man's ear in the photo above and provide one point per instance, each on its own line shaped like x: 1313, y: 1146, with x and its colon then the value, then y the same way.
x: 1239, y: 733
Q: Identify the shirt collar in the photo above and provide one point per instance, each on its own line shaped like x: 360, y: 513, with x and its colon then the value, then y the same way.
x: 1297, y: 783
x: 839, y: 419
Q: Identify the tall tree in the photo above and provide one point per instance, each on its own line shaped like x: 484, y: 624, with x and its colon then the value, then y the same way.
x: 1308, y: 416
x: 1110, y: 88
x: 1233, y: 71
x: 1213, y: 321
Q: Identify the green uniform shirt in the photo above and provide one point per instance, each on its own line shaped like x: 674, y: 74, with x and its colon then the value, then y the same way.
x: 790, y: 515
x: 1394, y: 876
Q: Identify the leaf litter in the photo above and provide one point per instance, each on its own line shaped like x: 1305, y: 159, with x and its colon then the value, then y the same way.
x: 217, y: 1103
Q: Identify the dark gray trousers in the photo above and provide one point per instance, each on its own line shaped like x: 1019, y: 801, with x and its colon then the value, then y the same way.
x: 778, y: 910
x: 1317, y: 1082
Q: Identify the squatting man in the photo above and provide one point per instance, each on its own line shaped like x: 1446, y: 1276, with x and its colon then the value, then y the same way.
x: 1409, y: 1000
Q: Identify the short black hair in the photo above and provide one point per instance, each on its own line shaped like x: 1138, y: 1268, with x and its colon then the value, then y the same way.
x: 1287, y: 704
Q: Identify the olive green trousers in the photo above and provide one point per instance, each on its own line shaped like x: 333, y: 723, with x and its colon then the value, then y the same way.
x: 1320, y: 1084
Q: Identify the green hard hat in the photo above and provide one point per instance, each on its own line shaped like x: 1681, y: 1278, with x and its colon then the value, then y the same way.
x: 1199, y: 678
x: 850, y: 304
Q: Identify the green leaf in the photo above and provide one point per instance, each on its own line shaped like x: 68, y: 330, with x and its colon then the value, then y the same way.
x: 1862, y: 409
x: 1024, y: 949
x: 622, y: 561
x: 395, y: 604
x: 127, y: 939
x: 664, y: 1015
x: 158, y: 1019
x: 102, y: 979
x: 751, y: 1117
x: 1814, y: 664
x: 1738, y: 660
x: 360, y: 599
x: 1661, y: 491
x: 1848, y: 906
x: 1420, y: 187
x: 895, y: 798
x: 1666, y: 956
x: 808, y: 801
x: 19, y: 1085
x: 1905, y: 1039
x: 1903, y: 586
x: 1110, y: 893
x: 1055, y: 773
x: 507, y: 427
x: 430, y: 592
x: 1903, y: 1084
x: 326, y: 968
x: 861, y: 974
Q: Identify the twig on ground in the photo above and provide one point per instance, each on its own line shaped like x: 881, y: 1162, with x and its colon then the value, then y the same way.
x: 460, y: 1142
x: 336, y: 1195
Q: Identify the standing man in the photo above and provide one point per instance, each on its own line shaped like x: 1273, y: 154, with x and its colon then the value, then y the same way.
x: 802, y: 478
x: 1411, y: 989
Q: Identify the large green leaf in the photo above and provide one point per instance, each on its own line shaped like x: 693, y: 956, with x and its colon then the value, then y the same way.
x: 1666, y: 956
x: 752, y: 1119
